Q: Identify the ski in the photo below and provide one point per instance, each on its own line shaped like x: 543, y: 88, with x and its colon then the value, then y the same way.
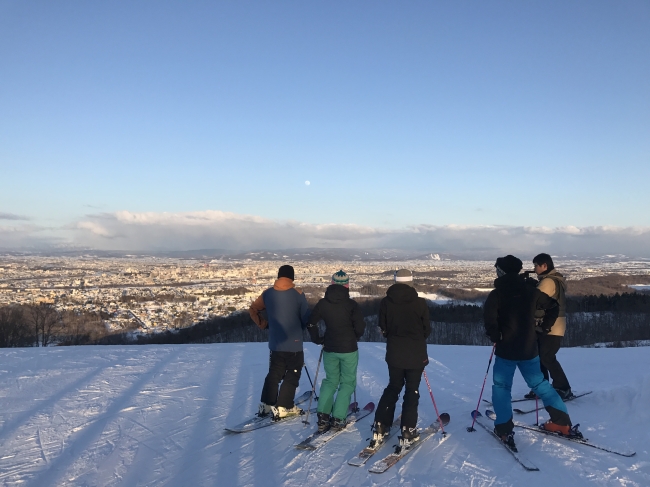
x: 380, y: 466
x: 575, y: 396
x: 316, y: 439
x: 582, y: 441
x: 257, y: 422
x: 523, y: 399
x: 364, y: 455
x: 521, y: 459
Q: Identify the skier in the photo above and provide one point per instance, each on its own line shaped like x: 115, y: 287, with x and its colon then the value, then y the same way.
x: 288, y: 312
x: 552, y: 283
x: 509, y: 314
x: 404, y: 321
x: 344, y: 326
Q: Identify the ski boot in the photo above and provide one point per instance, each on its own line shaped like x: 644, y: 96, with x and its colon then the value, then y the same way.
x: 264, y: 410
x: 564, y: 430
x: 323, y: 422
x: 507, y: 439
x: 338, y: 424
x: 531, y: 395
x: 379, y: 433
x: 409, y: 436
x: 280, y: 412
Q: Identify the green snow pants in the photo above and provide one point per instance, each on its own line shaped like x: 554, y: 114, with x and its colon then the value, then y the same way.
x: 341, y: 374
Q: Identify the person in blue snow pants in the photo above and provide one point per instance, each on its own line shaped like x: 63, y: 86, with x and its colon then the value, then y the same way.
x: 509, y: 316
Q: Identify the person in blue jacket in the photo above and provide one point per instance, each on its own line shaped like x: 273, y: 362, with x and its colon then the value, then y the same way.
x: 287, y: 314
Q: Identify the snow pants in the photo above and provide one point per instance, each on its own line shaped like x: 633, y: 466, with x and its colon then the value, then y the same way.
x: 284, y: 367
x: 549, y: 346
x: 341, y: 376
x: 503, y: 373
x: 397, y: 378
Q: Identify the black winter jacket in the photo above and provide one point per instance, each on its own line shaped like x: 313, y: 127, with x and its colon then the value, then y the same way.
x: 404, y: 321
x: 343, y: 321
x: 509, y: 315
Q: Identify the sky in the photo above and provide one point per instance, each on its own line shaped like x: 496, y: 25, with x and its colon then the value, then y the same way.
x: 291, y: 124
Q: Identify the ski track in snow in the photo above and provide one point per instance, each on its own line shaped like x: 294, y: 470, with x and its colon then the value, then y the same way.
x: 155, y: 416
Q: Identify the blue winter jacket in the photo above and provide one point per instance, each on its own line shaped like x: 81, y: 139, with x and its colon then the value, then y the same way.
x: 287, y: 315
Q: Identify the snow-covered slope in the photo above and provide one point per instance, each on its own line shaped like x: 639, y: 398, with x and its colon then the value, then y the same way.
x: 154, y: 415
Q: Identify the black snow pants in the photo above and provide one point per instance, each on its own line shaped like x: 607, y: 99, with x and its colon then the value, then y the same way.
x: 549, y: 345
x: 284, y: 367
x: 397, y: 378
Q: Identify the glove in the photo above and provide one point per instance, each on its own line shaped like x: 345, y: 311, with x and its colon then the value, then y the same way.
x: 315, y: 337
x: 542, y: 331
x: 495, y: 336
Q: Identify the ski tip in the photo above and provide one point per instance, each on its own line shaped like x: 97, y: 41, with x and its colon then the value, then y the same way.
x: 490, y: 414
x: 476, y: 414
x: 369, y: 407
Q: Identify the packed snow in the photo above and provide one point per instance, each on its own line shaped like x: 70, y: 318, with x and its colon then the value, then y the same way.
x: 155, y: 415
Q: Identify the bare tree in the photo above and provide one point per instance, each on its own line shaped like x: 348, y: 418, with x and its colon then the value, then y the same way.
x: 46, y: 322
x: 14, y: 330
x: 81, y: 328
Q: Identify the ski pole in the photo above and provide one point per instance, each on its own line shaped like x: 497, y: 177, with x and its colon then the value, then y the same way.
x: 313, y: 390
x: 434, y: 403
x: 356, y: 404
x: 308, y: 376
x: 471, y: 428
x: 536, y: 410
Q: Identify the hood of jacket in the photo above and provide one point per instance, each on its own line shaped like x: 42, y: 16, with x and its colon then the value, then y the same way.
x: 556, y: 276
x: 336, y: 293
x: 509, y: 281
x: 283, y: 284
x: 401, y: 293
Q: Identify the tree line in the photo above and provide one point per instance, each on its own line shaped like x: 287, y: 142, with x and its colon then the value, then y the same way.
x: 619, y: 319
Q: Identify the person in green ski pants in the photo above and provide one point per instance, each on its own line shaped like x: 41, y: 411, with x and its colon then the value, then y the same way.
x: 344, y: 325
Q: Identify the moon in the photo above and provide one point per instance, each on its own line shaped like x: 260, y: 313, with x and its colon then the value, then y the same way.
x: 307, y: 183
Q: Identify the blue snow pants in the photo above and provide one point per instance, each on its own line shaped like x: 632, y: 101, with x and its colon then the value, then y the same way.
x: 503, y: 373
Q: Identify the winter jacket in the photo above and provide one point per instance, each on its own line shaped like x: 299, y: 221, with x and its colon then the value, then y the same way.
x: 287, y: 312
x: 404, y: 321
x: 553, y: 284
x: 343, y: 320
x: 509, y: 314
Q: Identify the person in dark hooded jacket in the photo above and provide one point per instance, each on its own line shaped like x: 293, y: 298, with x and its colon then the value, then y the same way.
x: 509, y: 315
x: 344, y: 326
x: 404, y: 321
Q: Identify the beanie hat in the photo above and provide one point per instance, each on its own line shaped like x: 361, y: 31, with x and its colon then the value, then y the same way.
x: 509, y: 264
x: 341, y: 278
x: 286, y: 271
x: 404, y: 276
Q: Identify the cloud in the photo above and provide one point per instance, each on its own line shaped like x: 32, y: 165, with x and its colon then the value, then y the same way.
x: 27, y: 237
x: 125, y: 230
x: 12, y: 216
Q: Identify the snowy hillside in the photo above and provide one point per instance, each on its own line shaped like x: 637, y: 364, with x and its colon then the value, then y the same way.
x: 155, y: 415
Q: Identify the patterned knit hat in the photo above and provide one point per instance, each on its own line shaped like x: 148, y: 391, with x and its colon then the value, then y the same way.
x: 509, y: 264
x: 341, y: 278
x: 404, y: 276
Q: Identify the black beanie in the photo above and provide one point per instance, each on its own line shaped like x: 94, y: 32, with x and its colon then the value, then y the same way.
x: 509, y: 264
x: 286, y: 271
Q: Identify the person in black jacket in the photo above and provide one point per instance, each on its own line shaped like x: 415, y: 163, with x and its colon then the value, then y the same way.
x: 344, y: 325
x: 404, y: 321
x: 509, y: 315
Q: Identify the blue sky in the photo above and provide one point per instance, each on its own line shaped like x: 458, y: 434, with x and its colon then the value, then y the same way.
x: 398, y: 114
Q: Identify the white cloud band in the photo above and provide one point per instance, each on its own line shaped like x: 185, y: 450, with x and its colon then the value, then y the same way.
x: 152, y: 231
